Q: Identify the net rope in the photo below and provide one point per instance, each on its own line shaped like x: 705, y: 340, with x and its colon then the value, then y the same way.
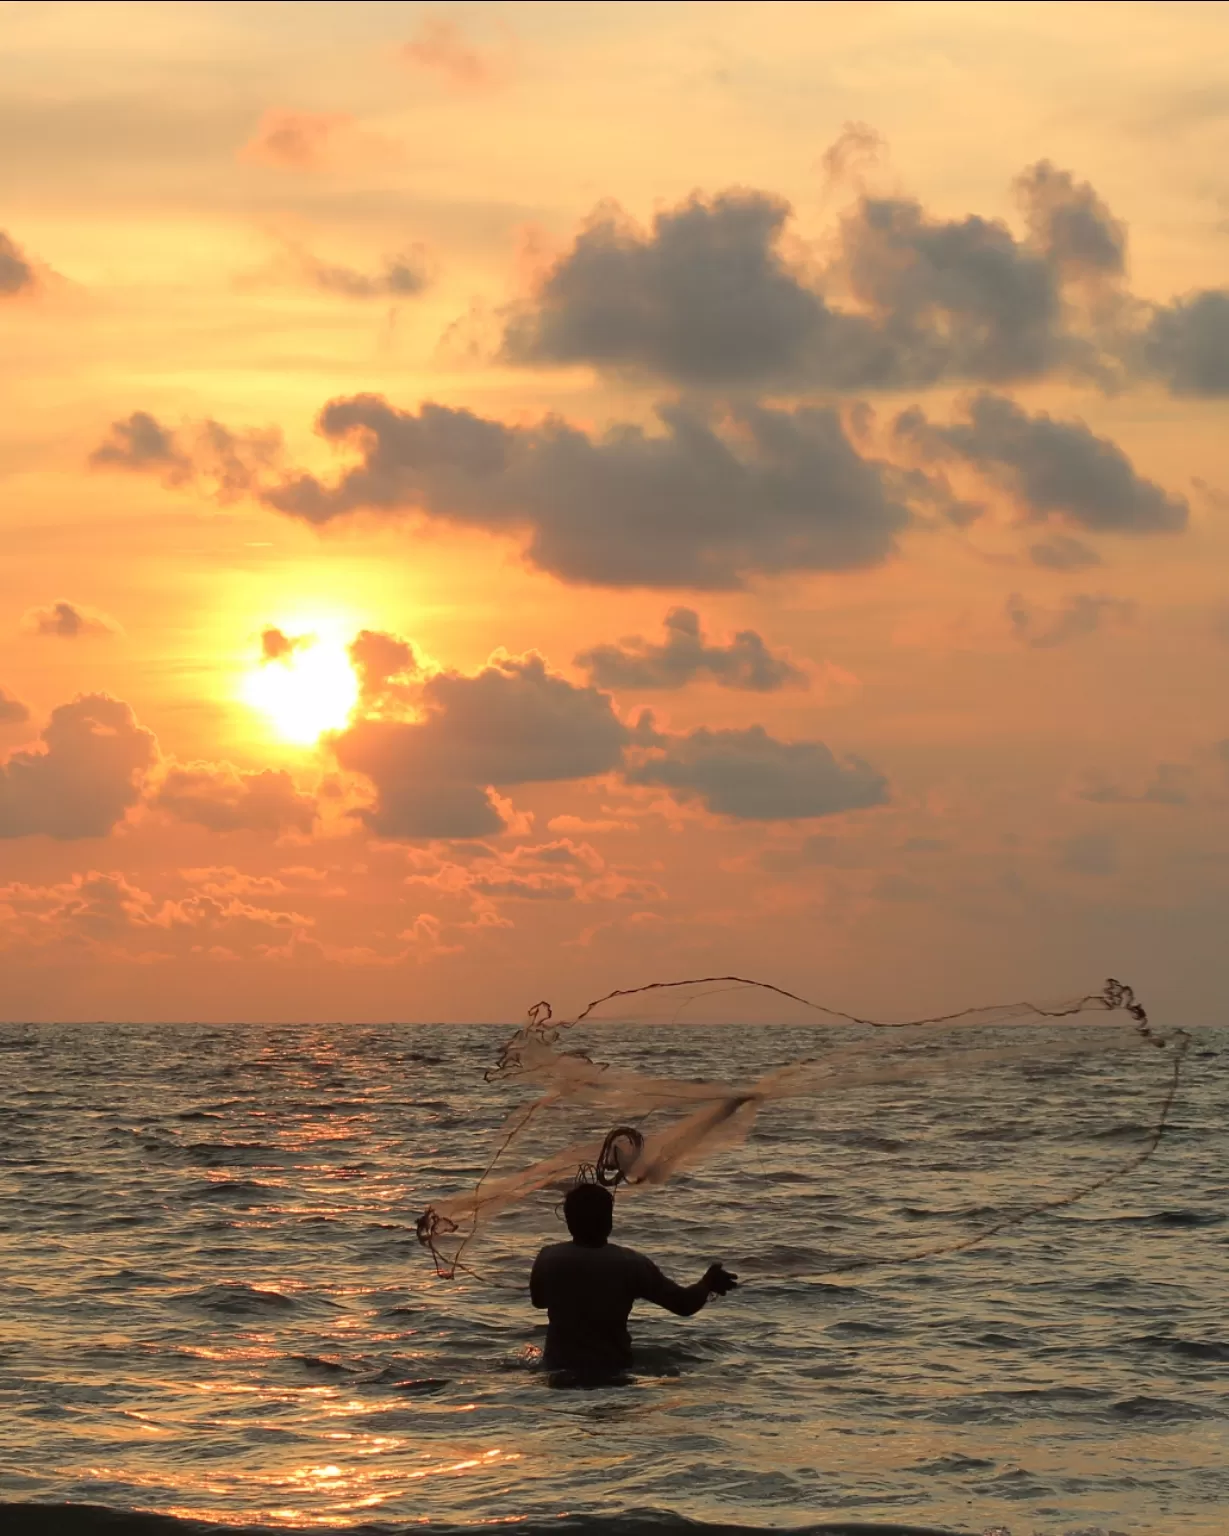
x: 713, y: 1116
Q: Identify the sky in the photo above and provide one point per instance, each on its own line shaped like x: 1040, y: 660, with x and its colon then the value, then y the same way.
x: 505, y: 501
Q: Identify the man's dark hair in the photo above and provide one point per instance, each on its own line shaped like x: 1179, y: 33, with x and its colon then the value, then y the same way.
x: 588, y: 1210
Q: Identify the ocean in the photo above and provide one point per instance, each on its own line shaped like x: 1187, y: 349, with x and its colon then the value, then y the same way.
x: 213, y: 1306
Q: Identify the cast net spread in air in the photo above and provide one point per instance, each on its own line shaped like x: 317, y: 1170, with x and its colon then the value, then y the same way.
x: 907, y: 1140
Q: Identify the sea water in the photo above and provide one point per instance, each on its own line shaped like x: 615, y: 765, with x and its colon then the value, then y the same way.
x: 213, y: 1305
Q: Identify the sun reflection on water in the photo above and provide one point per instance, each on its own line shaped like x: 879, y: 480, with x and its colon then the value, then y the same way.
x: 346, y: 1489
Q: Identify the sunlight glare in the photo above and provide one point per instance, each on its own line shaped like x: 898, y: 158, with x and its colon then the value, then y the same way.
x: 307, y: 692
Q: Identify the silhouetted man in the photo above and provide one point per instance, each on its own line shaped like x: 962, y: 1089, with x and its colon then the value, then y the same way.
x: 589, y: 1286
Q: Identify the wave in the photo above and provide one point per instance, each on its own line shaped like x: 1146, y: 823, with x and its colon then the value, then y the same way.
x: 1166, y: 1409
x: 99, y: 1520
x: 1179, y: 1218
x: 253, y: 1191
x: 238, y: 1299
x: 1189, y: 1349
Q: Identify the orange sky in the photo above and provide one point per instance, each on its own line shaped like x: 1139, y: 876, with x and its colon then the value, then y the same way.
x: 514, y: 500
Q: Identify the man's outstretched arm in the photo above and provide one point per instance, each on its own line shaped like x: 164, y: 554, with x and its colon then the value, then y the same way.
x: 685, y: 1300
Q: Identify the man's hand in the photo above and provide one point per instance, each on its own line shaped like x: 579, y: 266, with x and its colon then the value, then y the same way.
x: 719, y: 1280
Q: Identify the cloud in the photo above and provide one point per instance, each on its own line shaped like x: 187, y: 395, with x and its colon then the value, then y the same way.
x: 745, y: 663
x: 1186, y: 343
x: 1215, y: 497
x: 100, y: 910
x: 202, y: 909
x: 1081, y: 614
x: 227, y: 799
x: 1053, y: 468
x: 439, y: 46
x: 141, y: 442
x: 89, y: 770
x: 12, y: 710
x: 295, y: 141
x: 715, y: 294
x: 491, y: 880
x: 700, y: 504
x: 424, y: 941
x: 704, y: 297
x: 17, y: 274
x: 543, y: 872
x: 511, y: 723
x: 386, y: 668
x: 226, y: 880
x: 1063, y: 553
x: 952, y: 299
x: 1070, y: 223
x: 857, y: 149
x: 708, y: 294
x: 224, y: 463
x: 399, y: 276
x: 68, y: 622
x: 1168, y: 786
x: 706, y: 502
x: 562, y: 852
x: 276, y: 646
x: 89, y: 908
x: 751, y: 776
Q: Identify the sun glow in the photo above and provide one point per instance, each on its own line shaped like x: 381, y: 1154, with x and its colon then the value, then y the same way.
x: 308, y: 690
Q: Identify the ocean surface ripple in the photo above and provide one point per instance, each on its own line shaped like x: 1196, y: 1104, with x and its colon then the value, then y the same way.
x: 214, y: 1307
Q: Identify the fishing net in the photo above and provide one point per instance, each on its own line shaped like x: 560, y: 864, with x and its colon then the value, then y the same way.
x: 975, y: 1121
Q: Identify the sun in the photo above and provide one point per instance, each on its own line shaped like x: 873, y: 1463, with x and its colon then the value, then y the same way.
x: 309, y: 689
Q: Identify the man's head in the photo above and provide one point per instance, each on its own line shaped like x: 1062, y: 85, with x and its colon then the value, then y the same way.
x: 588, y: 1210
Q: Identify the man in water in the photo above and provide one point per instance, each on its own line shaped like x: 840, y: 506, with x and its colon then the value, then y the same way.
x: 588, y: 1288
